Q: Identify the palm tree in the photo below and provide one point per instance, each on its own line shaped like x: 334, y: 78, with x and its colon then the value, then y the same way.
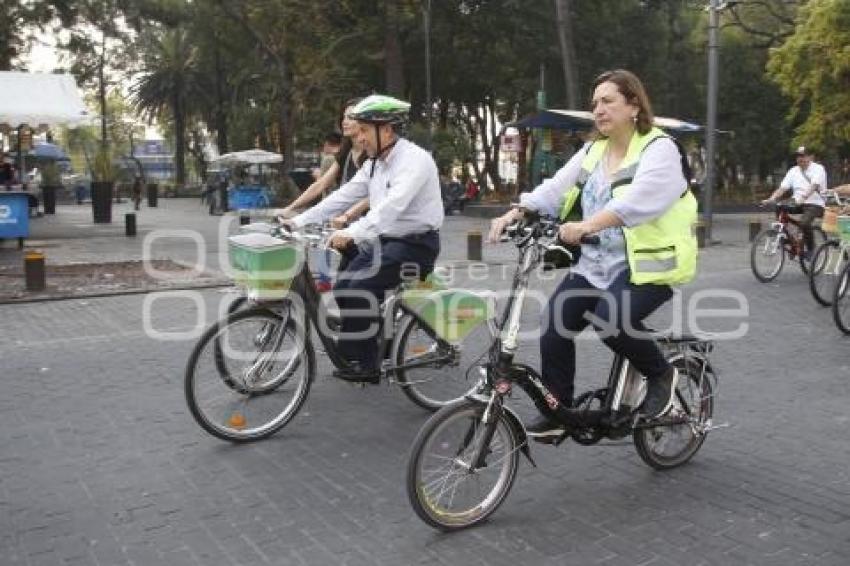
x: 169, y: 81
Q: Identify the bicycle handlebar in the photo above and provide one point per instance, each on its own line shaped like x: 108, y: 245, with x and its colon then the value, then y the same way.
x: 537, y: 227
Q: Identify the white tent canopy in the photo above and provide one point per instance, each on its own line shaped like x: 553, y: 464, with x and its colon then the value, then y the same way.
x: 248, y: 157
x: 41, y: 100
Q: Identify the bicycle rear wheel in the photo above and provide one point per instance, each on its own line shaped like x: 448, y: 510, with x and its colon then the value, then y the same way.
x: 667, y: 446
x: 249, y: 375
x: 445, y: 487
x: 448, y: 376
x: 767, y: 255
x: 841, y: 300
x: 818, y: 239
x: 827, y: 263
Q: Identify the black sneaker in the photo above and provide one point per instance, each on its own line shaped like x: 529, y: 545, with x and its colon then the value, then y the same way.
x: 356, y: 374
x: 544, y: 427
x: 659, y: 394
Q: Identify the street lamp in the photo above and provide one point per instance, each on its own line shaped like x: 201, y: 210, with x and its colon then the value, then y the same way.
x: 714, y: 9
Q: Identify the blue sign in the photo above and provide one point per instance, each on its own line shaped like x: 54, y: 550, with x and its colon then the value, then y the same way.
x: 14, y: 215
x: 152, y: 147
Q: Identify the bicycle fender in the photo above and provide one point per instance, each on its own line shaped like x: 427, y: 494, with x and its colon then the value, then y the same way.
x: 519, y: 429
x: 513, y: 422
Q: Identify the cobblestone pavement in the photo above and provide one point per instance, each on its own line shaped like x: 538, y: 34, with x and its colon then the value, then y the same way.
x: 101, y: 463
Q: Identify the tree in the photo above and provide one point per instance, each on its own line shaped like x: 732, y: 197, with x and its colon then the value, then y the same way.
x: 168, y: 82
x: 19, y: 22
x: 813, y: 68
x: 563, y: 13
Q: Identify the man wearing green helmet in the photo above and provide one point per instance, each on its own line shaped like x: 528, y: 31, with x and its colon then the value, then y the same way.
x: 399, y: 234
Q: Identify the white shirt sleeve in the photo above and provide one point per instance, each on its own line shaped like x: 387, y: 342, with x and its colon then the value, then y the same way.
x: 339, y: 201
x: 405, y: 182
x: 546, y: 198
x: 657, y: 183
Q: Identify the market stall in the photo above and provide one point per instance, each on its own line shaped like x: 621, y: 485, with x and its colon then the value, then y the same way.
x: 38, y: 101
x: 246, y: 194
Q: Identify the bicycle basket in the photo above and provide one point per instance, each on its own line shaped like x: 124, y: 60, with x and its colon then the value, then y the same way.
x: 844, y: 227
x: 264, y: 265
x: 829, y: 224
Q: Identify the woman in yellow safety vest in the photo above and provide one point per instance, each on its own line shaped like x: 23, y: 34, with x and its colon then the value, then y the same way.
x: 628, y: 186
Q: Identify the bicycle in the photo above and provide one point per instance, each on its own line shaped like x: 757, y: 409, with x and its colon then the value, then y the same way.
x: 464, y: 460
x: 828, y: 260
x: 251, y: 372
x: 841, y: 291
x: 784, y: 236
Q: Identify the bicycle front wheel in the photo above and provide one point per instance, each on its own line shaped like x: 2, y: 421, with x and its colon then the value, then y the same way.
x: 827, y: 262
x: 447, y: 489
x: 841, y: 301
x: 446, y: 373
x: 667, y: 446
x: 767, y: 255
x: 249, y: 375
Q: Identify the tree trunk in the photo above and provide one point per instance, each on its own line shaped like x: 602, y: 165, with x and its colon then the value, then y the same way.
x: 179, y: 141
x: 472, y: 129
x: 220, y: 113
x: 287, y: 121
x: 393, y: 57
x: 101, y: 94
x: 495, y: 143
x: 563, y: 16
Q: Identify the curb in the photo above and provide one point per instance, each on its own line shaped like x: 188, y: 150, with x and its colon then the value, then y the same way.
x: 46, y: 299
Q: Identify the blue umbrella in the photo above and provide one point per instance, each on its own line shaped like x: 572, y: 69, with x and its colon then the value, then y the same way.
x: 45, y: 150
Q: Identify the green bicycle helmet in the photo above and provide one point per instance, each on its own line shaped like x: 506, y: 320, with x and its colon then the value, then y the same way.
x: 380, y: 109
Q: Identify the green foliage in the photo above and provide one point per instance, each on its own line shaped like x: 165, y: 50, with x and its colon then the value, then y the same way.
x: 274, y: 73
x: 450, y: 146
x: 103, y: 170
x: 813, y: 69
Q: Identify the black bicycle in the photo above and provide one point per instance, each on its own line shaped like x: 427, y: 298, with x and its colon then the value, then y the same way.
x: 464, y: 460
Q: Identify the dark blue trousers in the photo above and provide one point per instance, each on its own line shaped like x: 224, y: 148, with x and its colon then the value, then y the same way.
x: 374, y: 269
x: 615, y: 313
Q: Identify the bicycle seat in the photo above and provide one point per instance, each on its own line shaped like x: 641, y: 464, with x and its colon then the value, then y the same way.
x: 792, y: 208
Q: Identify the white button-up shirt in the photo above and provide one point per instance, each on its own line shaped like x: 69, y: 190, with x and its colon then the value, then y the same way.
x: 798, y: 182
x: 404, y: 196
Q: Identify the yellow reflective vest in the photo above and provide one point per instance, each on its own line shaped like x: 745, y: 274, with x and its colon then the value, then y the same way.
x: 662, y: 251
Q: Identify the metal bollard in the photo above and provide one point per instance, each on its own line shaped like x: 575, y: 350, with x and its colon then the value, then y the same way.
x: 243, y: 220
x: 473, y: 246
x: 755, y: 227
x: 34, y: 275
x: 700, y: 231
x: 130, y: 224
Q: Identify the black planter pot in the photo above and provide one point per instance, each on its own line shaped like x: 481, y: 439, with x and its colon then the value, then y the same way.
x: 152, y: 195
x: 48, y: 193
x: 101, y: 201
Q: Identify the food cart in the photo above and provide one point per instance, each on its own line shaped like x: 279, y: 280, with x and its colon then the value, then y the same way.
x: 247, y: 195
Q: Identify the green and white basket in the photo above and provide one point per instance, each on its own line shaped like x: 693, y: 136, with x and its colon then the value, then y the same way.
x: 844, y: 228
x: 264, y: 265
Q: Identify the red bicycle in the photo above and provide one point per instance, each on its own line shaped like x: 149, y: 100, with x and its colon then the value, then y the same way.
x: 784, y: 236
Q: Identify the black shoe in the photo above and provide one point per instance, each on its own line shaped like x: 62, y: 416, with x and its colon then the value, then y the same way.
x: 659, y: 394
x: 356, y: 374
x: 544, y: 427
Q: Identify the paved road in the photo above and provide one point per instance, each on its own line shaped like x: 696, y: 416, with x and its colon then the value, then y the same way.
x: 100, y: 463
